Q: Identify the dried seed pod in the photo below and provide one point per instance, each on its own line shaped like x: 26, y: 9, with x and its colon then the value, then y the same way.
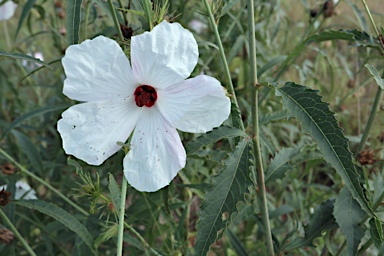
x: 328, y: 8
x: 6, y: 236
x: 5, y: 197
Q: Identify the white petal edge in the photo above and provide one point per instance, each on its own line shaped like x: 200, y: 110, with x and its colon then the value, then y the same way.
x: 195, y: 105
x: 90, y: 131
x: 7, y: 10
x: 156, y: 153
x: 164, y: 56
x: 97, y: 70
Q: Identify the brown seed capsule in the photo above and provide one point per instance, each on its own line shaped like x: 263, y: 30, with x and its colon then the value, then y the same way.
x: 367, y: 157
x: 328, y: 8
x: 6, y: 236
x: 7, y: 169
x: 4, y: 197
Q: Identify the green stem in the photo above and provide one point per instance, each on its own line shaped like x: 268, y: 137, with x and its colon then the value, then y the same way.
x: 224, y: 60
x: 33, y: 176
x: 120, y: 231
x: 379, y: 94
x: 17, y: 234
x: 255, y: 125
x: 142, y: 240
x: 115, y: 20
x: 370, y: 17
x: 123, y: 12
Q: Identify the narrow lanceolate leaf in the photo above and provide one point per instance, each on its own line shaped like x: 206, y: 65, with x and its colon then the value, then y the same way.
x: 316, y: 118
x: 321, y: 220
x: 24, y: 57
x: 24, y: 14
x: 221, y: 197
x: 348, y: 215
x: 73, y: 21
x: 114, y: 192
x: 376, y: 75
x: 279, y: 165
x: 61, y: 216
x: 216, y: 134
x: 358, y: 37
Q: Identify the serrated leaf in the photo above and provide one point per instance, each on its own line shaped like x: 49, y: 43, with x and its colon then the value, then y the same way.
x: 316, y: 119
x: 228, y: 188
x: 216, y: 134
x: 361, y: 39
x: 61, y: 216
x: 33, y: 113
x: 279, y: 165
x: 376, y: 75
x: 73, y: 21
x: 376, y: 231
x: 24, y: 57
x: 321, y: 220
x: 25, y: 12
x: 348, y: 215
x: 235, y: 117
x: 114, y: 192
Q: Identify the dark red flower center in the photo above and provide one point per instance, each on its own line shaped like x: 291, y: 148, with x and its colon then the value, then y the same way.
x: 145, y: 95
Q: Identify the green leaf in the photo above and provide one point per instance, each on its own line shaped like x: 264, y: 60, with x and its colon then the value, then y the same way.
x: 236, y: 244
x: 29, y: 149
x: 360, y: 38
x: 73, y: 21
x: 348, y: 215
x: 61, y: 216
x: 221, y: 198
x: 227, y: 6
x: 114, y: 192
x: 316, y: 119
x: 33, y: 113
x: 265, y: 119
x: 321, y: 220
x: 24, y: 57
x: 376, y: 75
x: 376, y: 231
x: 213, y: 136
x: 279, y: 165
x: 26, y: 9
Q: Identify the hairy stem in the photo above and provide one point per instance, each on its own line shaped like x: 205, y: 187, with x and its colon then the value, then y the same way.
x: 255, y: 128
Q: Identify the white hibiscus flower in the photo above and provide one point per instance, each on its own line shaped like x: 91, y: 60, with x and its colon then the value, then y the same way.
x: 7, y: 9
x: 23, y: 190
x: 152, y: 99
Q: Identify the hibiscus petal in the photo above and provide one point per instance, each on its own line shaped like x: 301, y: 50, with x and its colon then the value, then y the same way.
x: 195, y: 105
x: 91, y: 130
x: 156, y: 153
x: 97, y: 70
x: 7, y: 10
x: 166, y: 55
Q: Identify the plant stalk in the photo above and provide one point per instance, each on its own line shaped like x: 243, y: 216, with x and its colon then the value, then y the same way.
x: 255, y: 126
x: 17, y: 234
x: 33, y: 176
x: 120, y: 232
x: 115, y: 20
x: 231, y: 89
x: 379, y: 94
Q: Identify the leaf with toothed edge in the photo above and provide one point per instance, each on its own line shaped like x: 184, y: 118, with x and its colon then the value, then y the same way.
x: 306, y: 105
x: 221, y: 198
